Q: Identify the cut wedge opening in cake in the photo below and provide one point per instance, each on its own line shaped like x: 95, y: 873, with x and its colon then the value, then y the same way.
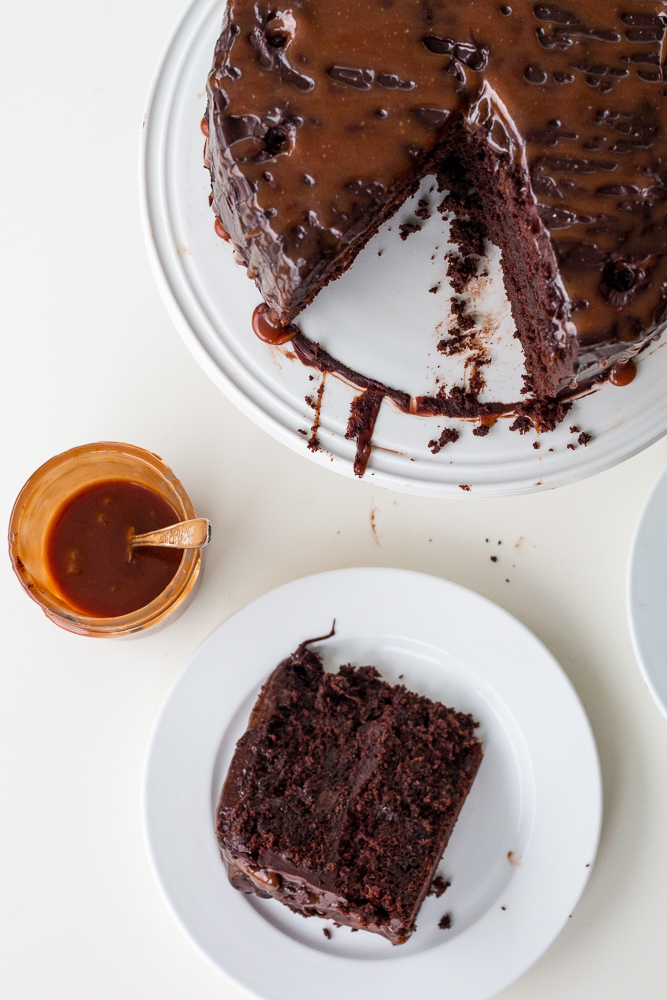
x: 544, y: 125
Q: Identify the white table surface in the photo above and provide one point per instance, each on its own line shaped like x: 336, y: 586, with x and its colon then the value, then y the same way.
x: 80, y: 914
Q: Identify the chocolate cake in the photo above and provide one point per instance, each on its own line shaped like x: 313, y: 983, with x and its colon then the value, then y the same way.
x: 342, y: 794
x: 549, y: 119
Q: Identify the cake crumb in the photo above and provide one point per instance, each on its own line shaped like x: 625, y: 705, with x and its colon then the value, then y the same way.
x: 584, y: 438
x: 503, y: 907
x: 464, y: 487
x: 423, y: 210
x: 438, y: 886
x: 407, y: 228
x: 327, y: 933
x: 481, y: 430
x: 300, y: 430
x: 445, y: 922
x: 536, y: 445
x: 571, y: 447
x: 434, y: 289
x: 494, y: 558
x: 448, y: 436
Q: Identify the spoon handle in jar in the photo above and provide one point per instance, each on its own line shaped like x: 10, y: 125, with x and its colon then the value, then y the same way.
x: 193, y: 534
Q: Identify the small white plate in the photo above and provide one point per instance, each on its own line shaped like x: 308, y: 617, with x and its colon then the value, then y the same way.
x: 379, y: 319
x: 522, y: 848
x: 647, y: 592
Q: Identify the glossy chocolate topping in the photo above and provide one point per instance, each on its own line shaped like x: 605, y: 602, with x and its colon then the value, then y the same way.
x: 323, y: 116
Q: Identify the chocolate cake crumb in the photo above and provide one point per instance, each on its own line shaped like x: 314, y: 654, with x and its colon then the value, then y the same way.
x: 423, y: 210
x: 536, y: 445
x: 445, y: 922
x: 584, y: 438
x: 503, y: 907
x: 407, y: 228
x: 575, y: 430
x: 327, y: 933
x: 448, y: 436
x: 481, y: 431
x: 463, y: 486
x: 494, y: 558
x: 571, y: 447
x: 434, y: 289
x: 438, y: 886
x: 544, y: 415
x: 521, y: 424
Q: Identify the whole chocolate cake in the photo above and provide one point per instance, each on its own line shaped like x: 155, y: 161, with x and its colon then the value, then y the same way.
x: 323, y: 116
x: 342, y: 794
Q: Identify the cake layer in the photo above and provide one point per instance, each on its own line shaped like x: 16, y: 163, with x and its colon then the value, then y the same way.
x: 343, y: 793
x: 324, y: 116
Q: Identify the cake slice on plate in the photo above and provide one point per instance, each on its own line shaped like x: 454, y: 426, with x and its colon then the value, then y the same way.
x: 342, y: 794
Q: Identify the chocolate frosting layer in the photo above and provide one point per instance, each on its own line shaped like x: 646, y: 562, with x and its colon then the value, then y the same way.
x: 323, y: 116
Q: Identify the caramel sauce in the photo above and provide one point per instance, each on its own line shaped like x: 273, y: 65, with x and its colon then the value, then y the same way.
x: 220, y: 230
x: 88, y: 555
x: 623, y: 374
x: 204, y: 126
x: 268, y: 328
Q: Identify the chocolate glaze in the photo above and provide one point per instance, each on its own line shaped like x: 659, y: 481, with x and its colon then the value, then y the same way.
x: 324, y: 117
x: 342, y: 794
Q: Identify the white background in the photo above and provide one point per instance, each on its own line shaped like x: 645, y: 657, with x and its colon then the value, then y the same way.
x: 88, y: 354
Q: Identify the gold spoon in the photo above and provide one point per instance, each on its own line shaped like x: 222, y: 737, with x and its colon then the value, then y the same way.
x: 192, y: 534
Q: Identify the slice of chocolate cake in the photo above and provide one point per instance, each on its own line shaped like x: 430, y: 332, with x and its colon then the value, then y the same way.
x: 342, y: 794
x: 323, y: 116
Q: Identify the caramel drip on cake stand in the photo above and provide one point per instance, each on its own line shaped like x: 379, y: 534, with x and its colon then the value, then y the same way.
x: 268, y: 327
x: 623, y: 374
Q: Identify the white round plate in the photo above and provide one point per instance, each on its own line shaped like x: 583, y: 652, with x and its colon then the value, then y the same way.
x: 647, y: 592
x: 379, y: 319
x: 521, y: 850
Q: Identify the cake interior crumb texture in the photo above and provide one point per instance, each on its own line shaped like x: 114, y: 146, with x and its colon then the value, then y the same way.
x: 342, y: 795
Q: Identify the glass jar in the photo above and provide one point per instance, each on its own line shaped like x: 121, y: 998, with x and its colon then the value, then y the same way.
x: 43, y: 496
